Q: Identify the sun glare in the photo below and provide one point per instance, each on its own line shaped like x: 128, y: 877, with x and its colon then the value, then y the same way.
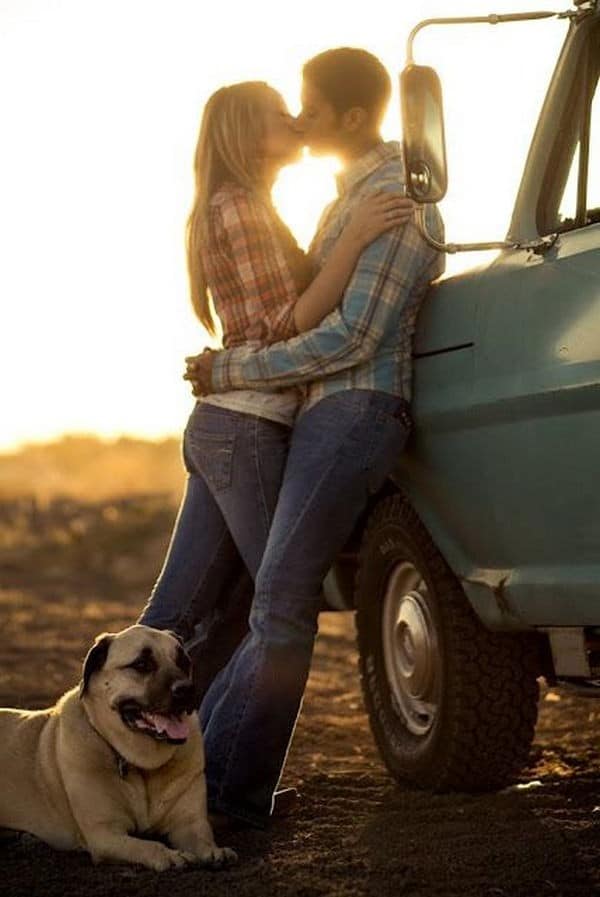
x: 96, y: 182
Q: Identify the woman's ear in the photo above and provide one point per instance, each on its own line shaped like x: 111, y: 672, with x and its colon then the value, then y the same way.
x: 95, y: 659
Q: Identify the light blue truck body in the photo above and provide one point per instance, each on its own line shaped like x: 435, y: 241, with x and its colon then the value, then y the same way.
x: 504, y: 465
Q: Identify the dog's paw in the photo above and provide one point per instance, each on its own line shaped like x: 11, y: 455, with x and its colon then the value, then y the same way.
x: 151, y: 854
x: 164, y: 859
x: 218, y: 857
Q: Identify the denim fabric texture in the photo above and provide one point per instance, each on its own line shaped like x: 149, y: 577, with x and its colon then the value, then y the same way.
x: 341, y: 451
x: 235, y: 465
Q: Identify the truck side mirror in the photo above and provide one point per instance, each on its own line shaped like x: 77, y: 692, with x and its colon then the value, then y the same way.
x: 423, y: 133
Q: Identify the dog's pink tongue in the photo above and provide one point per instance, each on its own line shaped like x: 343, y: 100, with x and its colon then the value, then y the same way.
x: 175, y: 728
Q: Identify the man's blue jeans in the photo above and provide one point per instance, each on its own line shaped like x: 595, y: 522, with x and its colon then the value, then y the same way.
x: 341, y: 451
x: 235, y: 465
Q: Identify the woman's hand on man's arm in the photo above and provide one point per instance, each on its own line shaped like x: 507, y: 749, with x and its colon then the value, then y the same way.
x: 373, y: 216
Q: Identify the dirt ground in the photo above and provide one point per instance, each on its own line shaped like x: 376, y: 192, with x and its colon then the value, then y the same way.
x: 74, y: 571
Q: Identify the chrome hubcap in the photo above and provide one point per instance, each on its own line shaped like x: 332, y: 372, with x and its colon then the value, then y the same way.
x: 410, y: 649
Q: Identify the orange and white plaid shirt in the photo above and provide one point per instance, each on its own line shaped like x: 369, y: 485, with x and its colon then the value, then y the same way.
x: 254, y: 268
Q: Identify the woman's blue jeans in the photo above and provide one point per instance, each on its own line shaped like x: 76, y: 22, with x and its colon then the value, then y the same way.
x: 235, y: 465
x: 341, y: 451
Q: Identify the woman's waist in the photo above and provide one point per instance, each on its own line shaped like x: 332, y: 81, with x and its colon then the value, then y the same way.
x: 278, y: 405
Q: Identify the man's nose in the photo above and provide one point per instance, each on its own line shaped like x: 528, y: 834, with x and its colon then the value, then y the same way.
x: 297, y: 124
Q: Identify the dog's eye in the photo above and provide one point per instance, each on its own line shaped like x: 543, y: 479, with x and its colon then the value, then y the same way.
x: 143, y: 665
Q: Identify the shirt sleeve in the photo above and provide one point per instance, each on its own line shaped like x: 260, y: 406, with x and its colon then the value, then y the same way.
x: 387, y: 273
x: 264, y: 280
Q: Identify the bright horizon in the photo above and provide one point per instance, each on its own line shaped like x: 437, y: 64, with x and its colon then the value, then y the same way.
x: 100, y: 123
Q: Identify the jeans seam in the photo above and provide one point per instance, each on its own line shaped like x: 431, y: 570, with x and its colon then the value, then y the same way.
x: 304, y: 506
x: 263, y: 499
x: 186, y: 614
x: 309, y: 497
x: 252, y: 673
x: 238, y: 723
x: 218, y: 480
x: 225, y: 796
x: 269, y: 597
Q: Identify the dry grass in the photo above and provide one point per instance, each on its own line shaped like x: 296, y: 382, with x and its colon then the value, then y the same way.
x: 86, y: 507
x: 91, y: 469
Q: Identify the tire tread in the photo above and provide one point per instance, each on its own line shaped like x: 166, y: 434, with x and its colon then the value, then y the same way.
x: 491, y: 714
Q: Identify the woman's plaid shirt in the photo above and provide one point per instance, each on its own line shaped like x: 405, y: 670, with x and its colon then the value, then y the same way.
x: 366, y: 343
x: 254, y: 268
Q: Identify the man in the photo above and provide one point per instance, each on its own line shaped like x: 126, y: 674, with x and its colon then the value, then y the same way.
x: 355, y: 373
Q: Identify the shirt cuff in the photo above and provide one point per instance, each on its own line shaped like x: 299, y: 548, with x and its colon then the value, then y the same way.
x: 220, y: 372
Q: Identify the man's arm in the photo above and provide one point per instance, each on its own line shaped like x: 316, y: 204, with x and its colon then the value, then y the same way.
x: 386, y: 274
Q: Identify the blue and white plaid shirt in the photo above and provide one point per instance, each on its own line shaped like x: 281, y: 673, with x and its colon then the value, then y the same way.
x: 365, y: 343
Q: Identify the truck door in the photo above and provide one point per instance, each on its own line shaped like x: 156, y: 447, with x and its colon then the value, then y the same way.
x: 537, y: 376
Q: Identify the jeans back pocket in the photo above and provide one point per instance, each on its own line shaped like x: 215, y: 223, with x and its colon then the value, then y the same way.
x: 212, y: 456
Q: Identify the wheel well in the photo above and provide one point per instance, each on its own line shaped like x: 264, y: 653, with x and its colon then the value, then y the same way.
x: 388, y: 488
x: 346, y: 563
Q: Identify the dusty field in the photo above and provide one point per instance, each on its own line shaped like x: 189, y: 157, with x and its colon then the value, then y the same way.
x: 73, y: 571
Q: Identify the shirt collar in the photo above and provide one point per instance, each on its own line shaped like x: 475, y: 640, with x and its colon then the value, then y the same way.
x: 364, y: 166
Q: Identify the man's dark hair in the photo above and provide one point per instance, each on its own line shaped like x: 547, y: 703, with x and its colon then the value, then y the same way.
x: 347, y: 77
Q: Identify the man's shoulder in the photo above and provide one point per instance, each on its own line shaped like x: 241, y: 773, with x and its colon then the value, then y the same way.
x: 388, y: 176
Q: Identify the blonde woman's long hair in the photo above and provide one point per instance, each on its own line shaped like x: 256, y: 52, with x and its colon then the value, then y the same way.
x: 229, y: 148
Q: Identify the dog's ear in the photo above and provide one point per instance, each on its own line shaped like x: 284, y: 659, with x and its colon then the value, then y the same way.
x: 95, y: 659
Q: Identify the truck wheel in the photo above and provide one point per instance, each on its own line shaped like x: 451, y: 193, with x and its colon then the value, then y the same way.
x: 452, y: 705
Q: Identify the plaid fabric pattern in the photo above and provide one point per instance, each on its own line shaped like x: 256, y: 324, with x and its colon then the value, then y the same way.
x: 249, y: 266
x: 366, y: 343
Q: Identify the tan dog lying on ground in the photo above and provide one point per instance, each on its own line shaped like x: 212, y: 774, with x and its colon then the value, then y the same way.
x: 120, y: 755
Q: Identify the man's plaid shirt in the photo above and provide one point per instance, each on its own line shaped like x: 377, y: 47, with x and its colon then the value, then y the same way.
x: 366, y: 343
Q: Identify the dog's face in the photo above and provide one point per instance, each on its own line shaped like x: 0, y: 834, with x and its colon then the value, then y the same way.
x: 142, y: 676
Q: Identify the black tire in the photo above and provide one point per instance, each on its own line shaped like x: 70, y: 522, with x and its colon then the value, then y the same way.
x: 468, y: 722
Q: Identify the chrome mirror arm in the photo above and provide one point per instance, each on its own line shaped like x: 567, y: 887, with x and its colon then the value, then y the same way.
x: 455, y: 247
x: 539, y: 246
x: 493, y: 19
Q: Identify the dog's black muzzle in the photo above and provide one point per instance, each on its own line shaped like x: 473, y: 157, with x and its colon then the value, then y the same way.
x: 184, y: 698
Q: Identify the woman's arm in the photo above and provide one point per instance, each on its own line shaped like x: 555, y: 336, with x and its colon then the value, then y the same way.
x: 384, y: 292
x: 375, y: 215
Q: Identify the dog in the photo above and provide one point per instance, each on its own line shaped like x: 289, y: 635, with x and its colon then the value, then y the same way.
x: 118, y: 756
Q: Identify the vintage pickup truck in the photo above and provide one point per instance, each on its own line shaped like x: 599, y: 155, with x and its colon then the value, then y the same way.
x: 477, y: 569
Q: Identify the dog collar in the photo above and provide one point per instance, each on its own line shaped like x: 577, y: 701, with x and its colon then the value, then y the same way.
x: 123, y: 765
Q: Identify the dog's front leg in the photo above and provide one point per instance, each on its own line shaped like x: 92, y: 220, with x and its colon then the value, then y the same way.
x: 105, y: 822
x: 106, y: 844
x: 189, y: 830
x: 193, y: 836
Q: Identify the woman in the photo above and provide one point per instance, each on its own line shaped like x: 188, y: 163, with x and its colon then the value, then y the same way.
x: 241, y: 255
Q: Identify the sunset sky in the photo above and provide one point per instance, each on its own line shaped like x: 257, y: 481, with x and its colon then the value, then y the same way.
x: 100, y: 105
